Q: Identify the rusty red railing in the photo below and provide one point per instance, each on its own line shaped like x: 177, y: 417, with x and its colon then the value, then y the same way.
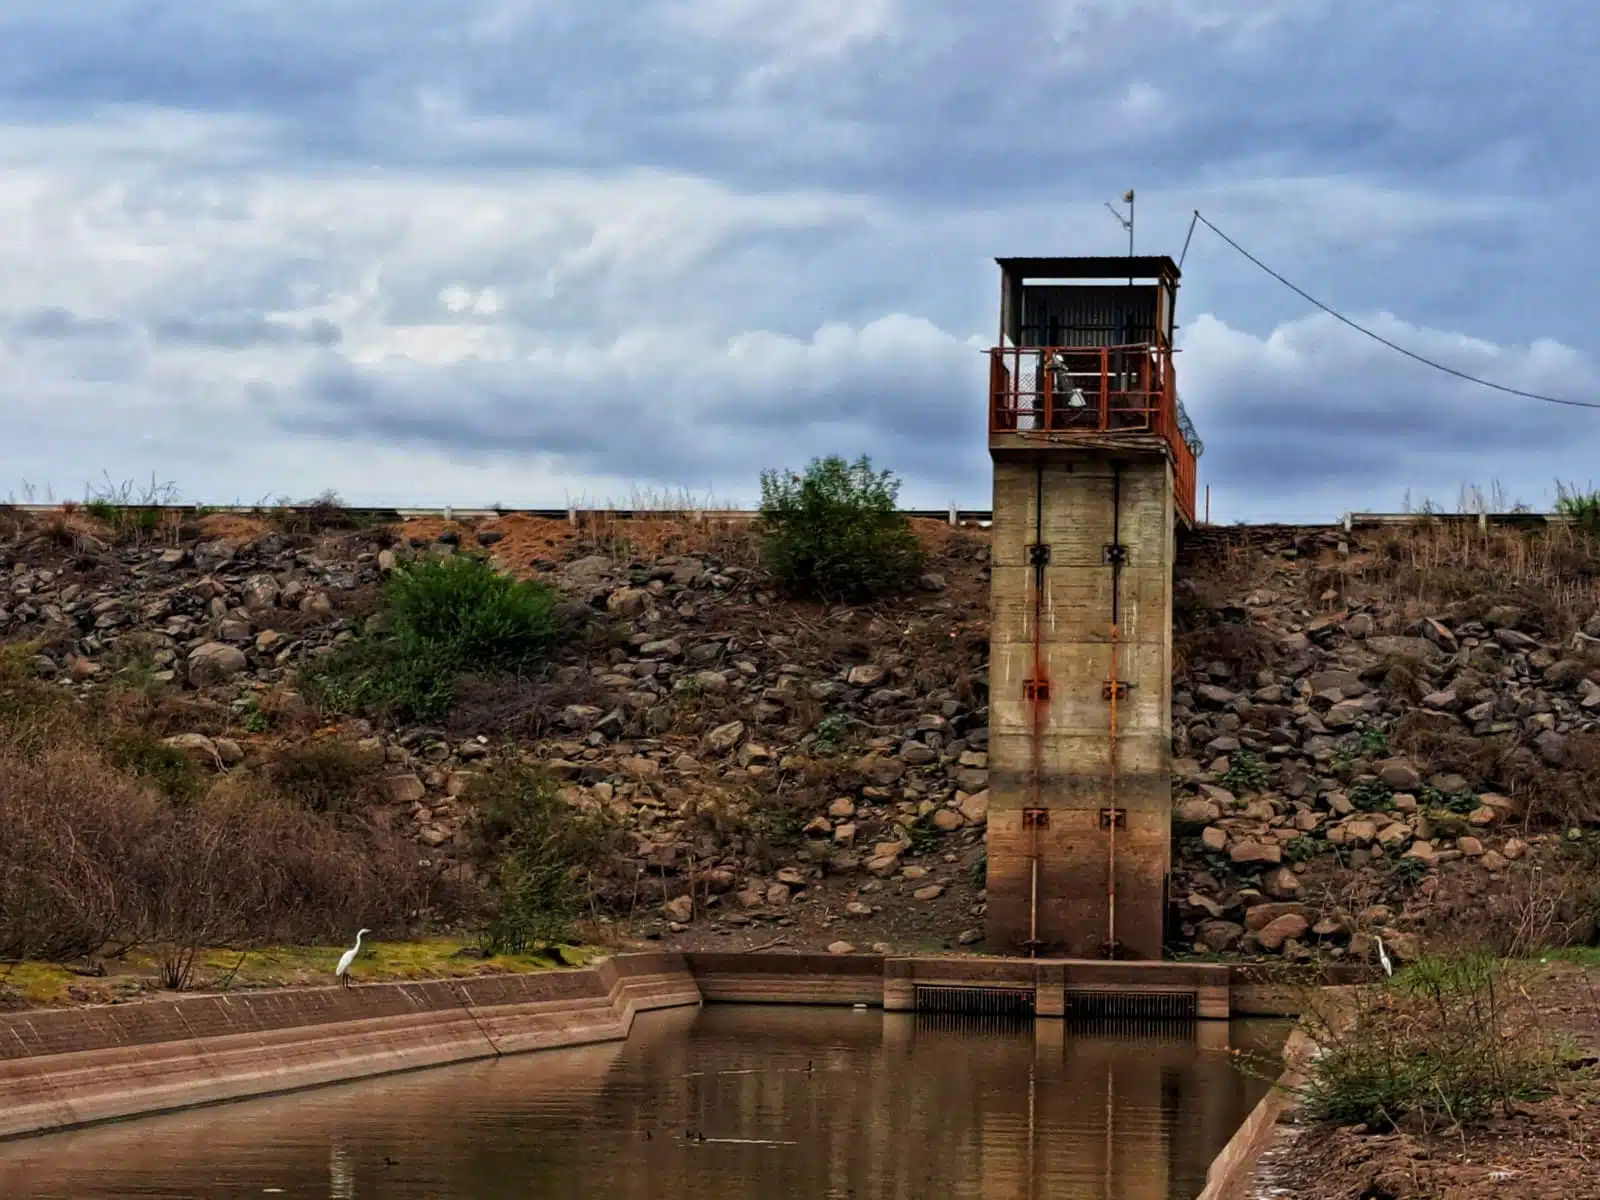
x: 1078, y: 390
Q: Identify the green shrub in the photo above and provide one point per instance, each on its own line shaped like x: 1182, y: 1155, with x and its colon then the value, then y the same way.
x: 923, y: 836
x: 1453, y: 1040
x: 1372, y: 741
x: 1302, y: 849
x: 544, y: 854
x: 382, y: 678
x: 830, y: 732
x: 463, y: 609
x: 1579, y: 507
x: 1461, y: 802
x: 1407, y: 872
x: 835, y: 533
x: 1372, y: 795
x: 1246, y: 773
x: 442, y: 617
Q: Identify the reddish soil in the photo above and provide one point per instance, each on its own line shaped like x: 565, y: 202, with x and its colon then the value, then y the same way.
x: 523, y: 540
x: 234, y: 526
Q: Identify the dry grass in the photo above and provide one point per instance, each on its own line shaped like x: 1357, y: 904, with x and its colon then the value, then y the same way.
x: 1551, y: 573
x: 14, y: 522
x: 1547, y: 902
x: 1438, y: 744
x: 1567, y: 797
x: 115, y: 841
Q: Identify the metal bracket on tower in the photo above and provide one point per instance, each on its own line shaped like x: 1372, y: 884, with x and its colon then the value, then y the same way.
x: 1114, y: 554
x: 1114, y: 687
x: 1036, y: 689
x: 1108, y: 815
x: 1036, y: 818
x: 1038, y: 554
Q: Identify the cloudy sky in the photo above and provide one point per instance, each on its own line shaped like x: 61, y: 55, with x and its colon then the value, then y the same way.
x: 546, y: 251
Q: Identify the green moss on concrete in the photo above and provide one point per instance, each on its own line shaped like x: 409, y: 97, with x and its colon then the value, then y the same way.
x: 35, y: 984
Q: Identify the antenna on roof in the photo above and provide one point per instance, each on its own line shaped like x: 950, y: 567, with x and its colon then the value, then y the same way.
x: 1127, y: 223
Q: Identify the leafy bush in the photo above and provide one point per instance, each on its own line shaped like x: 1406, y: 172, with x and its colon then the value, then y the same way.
x: 1407, y: 872
x: 834, y: 532
x: 1461, y: 803
x: 1372, y: 795
x: 831, y: 731
x: 544, y: 853
x: 1246, y: 773
x: 462, y: 609
x: 1452, y: 1040
x: 1372, y: 741
x: 1302, y: 849
x: 441, y: 617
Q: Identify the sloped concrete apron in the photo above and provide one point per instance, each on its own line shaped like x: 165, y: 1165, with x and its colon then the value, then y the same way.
x: 67, y: 1067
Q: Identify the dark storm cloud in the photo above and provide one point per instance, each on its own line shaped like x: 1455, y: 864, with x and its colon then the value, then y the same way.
x: 900, y: 390
x: 239, y: 332
x: 1319, y: 406
x: 58, y: 324
x: 956, y: 102
x: 1428, y: 159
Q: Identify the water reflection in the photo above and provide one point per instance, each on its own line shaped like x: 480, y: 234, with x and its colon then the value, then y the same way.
x: 714, y: 1104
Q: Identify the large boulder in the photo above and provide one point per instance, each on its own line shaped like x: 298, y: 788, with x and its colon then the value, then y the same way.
x: 215, y: 662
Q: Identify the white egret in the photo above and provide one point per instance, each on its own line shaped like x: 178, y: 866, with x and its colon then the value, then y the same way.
x: 1383, y: 957
x: 342, y: 971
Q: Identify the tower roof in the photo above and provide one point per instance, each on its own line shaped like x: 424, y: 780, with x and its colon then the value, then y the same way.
x: 1104, y: 266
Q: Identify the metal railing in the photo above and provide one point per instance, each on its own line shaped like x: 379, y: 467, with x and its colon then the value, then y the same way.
x: 956, y: 517
x: 1063, y: 391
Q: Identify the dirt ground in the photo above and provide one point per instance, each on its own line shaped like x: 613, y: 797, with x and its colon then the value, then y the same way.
x: 1546, y: 1149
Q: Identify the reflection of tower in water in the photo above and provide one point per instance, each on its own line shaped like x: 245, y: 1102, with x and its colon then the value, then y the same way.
x: 341, y: 1174
x: 1098, y: 1123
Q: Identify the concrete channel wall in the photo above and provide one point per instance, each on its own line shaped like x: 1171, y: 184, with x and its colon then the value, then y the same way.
x: 62, y: 1068
x: 1231, y: 1172
x: 65, y: 1067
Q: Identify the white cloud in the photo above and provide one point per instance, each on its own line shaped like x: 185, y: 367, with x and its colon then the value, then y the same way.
x: 789, y: 29
x: 553, y: 242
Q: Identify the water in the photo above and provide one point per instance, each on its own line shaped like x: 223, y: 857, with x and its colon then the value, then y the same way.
x: 792, y: 1102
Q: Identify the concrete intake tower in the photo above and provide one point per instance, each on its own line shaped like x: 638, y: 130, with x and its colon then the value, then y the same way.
x: 1094, y: 464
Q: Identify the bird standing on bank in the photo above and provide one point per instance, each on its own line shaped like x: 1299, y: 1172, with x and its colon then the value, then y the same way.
x: 1383, y: 957
x: 342, y: 971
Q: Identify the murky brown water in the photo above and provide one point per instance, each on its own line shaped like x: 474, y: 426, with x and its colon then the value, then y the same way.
x: 792, y: 1102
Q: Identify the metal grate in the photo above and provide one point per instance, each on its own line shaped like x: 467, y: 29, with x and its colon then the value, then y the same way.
x: 946, y: 1024
x: 976, y: 1001
x: 1144, y: 1030
x: 1132, y: 1006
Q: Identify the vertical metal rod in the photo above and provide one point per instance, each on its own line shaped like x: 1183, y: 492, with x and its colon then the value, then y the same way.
x: 1033, y: 898
x: 1116, y: 615
x: 1032, y: 1091
x: 1111, y: 1133
x: 1130, y: 237
x: 1040, y: 693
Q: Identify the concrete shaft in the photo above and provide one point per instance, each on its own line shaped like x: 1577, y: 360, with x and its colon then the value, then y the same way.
x: 1059, y: 754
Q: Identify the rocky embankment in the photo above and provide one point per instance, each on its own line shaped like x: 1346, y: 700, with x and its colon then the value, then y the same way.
x: 1347, y: 767
x: 1358, y: 760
